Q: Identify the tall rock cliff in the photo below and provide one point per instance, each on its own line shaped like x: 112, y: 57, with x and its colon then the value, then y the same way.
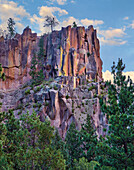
x: 72, y: 58
x: 69, y: 52
x: 15, y: 57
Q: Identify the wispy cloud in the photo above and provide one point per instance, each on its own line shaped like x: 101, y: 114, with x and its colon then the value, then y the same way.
x: 125, y: 18
x: 43, y: 12
x: 88, y: 22
x: 10, y: 9
x: 60, y: 2
x: 69, y: 21
x: 108, y: 76
x: 112, y: 36
x: 132, y: 25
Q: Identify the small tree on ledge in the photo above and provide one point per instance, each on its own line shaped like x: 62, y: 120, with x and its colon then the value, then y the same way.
x: 50, y: 21
x: 11, y: 27
x: 74, y: 25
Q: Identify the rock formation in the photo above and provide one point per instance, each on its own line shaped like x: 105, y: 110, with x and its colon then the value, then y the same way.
x: 73, y: 56
x: 15, y: 57
x: 60, y: 103
x: 69, y: 52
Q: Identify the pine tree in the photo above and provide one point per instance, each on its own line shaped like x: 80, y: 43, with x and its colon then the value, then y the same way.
x: 58, y: 143
x: 25, y: 143
x: 41, y: 60
x: 73, y: 145
x: 9, y: 139
x: 89, y: 139
x: 33, y: 68
x: 11, y: 27
x: 117, y: 150
x: 37, y: 64
x: 37, y: 146
x: 74, y: 25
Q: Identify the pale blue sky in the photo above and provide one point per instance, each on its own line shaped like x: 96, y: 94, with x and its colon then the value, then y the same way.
x: 113, y: 19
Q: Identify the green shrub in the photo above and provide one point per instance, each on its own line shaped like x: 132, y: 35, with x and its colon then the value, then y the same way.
x: 88, y: 54
x: 55, y: 87
x: 91, y: 88
x: 83, y: 97
x: 20, y: 106
x: 27, y: 92
x: 67, y: 97
x: 39, y: 105
x: 34, y: 105
x: 102, y: 87
x: 46, y: 103
x: 95, y: 95
x: 19, y: 112
x: 37, y: 89
x: 26, y: 104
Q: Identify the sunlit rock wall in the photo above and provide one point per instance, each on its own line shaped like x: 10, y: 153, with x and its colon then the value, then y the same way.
x: 69, y: 52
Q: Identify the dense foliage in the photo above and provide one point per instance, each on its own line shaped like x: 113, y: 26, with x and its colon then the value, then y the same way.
x: 117, y: 149
x: 26, y: 143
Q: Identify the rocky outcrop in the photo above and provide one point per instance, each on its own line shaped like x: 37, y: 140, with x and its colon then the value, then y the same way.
x: 69, y: 52
x: 74, y: 51
x: 72, y: 58
x: 58, y: 102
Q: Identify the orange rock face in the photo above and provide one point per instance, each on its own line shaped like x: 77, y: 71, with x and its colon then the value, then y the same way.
x: 15, y: 57
x: 69, y: 52
x: 74, y: 51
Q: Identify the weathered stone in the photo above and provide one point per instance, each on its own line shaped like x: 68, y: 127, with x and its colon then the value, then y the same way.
x: 73, y: 55
x: 71, y: 51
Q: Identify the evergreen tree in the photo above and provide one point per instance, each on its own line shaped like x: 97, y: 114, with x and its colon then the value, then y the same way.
x: 9, y: 140
x: 89, y: 139
x: 37, y: 64
x: 33, y: 68
x: 38, y: 152
x: 58, y: 143
x: 73, y: 145
x: 41, y: 60
x: 74, y: 25
x: 25, y: 143
x: 117, y: 150
x: 11, y: 27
